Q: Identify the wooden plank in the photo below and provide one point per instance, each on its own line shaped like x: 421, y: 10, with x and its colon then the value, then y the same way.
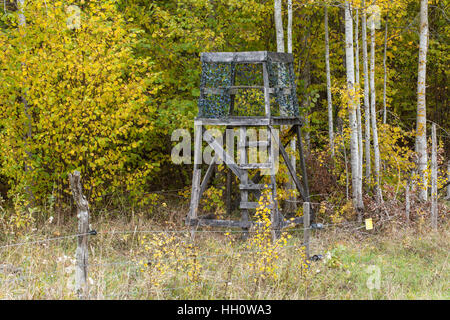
x: 250, y: 166
x: 246, y: 57
x: 255, y: 186
x: 228, y: 57
x: 197, y: 175
x: 229, y: 190
x: 233, y: 121
x: 250, y: 205
x: 256, y: 144
x: 237, y: 121
x: 243, y: 160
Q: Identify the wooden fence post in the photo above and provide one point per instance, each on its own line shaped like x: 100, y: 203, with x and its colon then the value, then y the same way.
x: 81, y: 269
x: 434, y: 190
x: 407, y: 200
x: 306, y: 225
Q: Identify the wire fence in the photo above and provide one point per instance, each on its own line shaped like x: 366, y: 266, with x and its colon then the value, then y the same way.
x: 26, y: 276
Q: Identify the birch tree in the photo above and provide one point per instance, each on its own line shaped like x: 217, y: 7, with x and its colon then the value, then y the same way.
x: 293, y: 143
x: 367, y: 132
x: 373, y: 110
x: 421, y: 125
x: 279, y: 26
x: 329, y: 98
x: 385, y: 69
x: 358, y: 102
x: 350, y: 62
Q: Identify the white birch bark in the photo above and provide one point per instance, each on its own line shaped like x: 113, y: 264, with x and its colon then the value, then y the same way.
x: 376, y: 148
x: 279, y: 25
x: 421, y: 126
x: 358, y: 102
x: 293, y: 144
x: 289, y: 27
x: 367, y: 133
x: 329, y: 98
x: 349, y: 58
x: 385, y: 71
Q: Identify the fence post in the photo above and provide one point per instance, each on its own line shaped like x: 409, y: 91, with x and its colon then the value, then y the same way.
x: 306, y: 225
x: 81, y: 269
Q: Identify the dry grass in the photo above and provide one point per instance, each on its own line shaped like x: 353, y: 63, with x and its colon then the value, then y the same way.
x: 413, y: 264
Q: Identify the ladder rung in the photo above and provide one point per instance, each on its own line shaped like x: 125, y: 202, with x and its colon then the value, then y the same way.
x: 255, y: 144
x: 250, y: 205
x: 255, y: 166
x: 255, y: 186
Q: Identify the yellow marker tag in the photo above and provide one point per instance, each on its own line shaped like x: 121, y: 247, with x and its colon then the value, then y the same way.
x: 369, y: 224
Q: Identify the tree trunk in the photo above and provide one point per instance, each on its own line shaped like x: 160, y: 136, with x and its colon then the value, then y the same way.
x: 358, y: 101
x: 289, y: 27
x: 349, y: 57
x: 27, y: 137
x: 329, y: 99
x: 434, y: 169
x: 279, y: 26
x: 448, y: 180
x: 385, y: 70
x: 376, y: 149
x: 366, y: 97
x: 291, y: 206
x: 421, y: 126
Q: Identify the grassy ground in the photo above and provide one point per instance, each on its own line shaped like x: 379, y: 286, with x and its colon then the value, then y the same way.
x: 392, y: 263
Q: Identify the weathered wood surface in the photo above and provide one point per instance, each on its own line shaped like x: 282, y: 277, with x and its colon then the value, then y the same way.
x: 250, y: 166
x: 208, y: 175
x: 306, y: 226
x: 246, y: 57
x: 81, y: 268
x: 195, y: 192
x: 218, y: 149
x: 255, y: 186
x: 236, y: 121
x: 243, y: 160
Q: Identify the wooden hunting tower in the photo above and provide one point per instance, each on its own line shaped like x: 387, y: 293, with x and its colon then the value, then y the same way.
x: 238, y: 92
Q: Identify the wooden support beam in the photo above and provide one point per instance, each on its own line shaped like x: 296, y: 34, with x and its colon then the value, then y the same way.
x: 208, y: 175
x: 303, y: 163
x: 197, y: 175
x: 243, y: 160
x: 306, y: 226
x: 229, y: 161
x: 290, y: 168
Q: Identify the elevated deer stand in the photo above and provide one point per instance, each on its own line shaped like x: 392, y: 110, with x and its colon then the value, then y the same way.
x: 243, y: 91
